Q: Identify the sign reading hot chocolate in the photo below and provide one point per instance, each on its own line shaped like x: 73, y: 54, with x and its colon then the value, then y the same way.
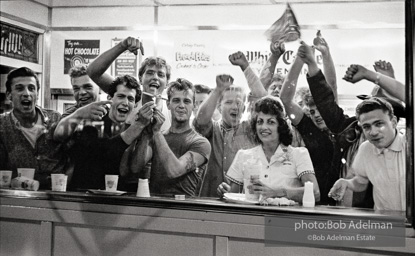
x: 79, y: 52
x: 18, y: 43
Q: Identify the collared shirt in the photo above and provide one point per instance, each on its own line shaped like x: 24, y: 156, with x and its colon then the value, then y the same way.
x: 385, y: 169
x: 16, y: 151
x: 33, y: 133
x: 225, y: 143
x: 284, y: 169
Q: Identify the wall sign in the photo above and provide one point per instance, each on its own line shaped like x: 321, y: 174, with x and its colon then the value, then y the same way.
x: 79, y: 52
x: 18, y: 43
x: 125, y: 64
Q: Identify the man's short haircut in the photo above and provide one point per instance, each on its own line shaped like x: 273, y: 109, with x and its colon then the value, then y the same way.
x: 308, y: 100
x: 234, y: 88
x: 154, y: 61
x: 78, y: 71
x: 277, y: 77
x: 372, y: 104
x: 302, y: 91
x: 180, y: 84
x: 200, y: 88
x: 20, y: 72
x: 129, y: 82
x: 271, y: 105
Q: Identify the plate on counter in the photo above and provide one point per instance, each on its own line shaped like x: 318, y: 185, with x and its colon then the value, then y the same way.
x: 238, y: 198
x: 109, y: 193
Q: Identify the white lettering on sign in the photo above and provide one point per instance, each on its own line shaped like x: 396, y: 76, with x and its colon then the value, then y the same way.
x: 11, y: 44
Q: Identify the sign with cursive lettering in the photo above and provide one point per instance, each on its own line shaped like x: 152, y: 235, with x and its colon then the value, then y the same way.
x: 18, y: 43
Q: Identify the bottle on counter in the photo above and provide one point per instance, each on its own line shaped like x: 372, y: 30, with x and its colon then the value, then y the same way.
x: 308, y: 197
x: 23, y: 182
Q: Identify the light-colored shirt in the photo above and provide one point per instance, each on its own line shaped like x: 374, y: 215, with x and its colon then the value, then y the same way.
x: 385, y: 169
x: 225, y: 143
x: 284, y: 169
x: 33, y: 133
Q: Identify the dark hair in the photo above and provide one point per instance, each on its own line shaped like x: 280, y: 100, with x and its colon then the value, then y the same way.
x: 271, y: 106
x: 154, y: 61
x: 130, y: 82
x: 20, y: 72
x: 78, y: 71
x: 200, y: 88
x: 374, y: 103
x: 180, y: 84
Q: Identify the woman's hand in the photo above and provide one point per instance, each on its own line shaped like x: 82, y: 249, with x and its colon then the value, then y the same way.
x: 223, y: 188
x: 259, y: 187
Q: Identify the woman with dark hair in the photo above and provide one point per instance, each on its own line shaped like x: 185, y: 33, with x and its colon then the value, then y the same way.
x: 281, y: 170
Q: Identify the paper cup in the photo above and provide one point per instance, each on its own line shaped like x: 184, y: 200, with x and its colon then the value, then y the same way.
x: 111, y: 182
x: 26, y: 172
x: 143, y: 189
x: 5, y: 178
x: 59, y: 182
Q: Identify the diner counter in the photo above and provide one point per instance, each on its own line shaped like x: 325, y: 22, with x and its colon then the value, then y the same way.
x: 83, y: 223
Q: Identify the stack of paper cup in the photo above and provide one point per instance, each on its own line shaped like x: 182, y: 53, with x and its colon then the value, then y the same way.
x: 143, y: 189
x: 26, y: 172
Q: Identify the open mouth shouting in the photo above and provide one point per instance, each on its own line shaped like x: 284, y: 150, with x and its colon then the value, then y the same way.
x: 26, y: 103
x: 153, y: 88
x: 123, y: 111
x: 234, y: 115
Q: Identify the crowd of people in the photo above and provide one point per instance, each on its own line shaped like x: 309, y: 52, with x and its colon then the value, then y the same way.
x: 194, y: 141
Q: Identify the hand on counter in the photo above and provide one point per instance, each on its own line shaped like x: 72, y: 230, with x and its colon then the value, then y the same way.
x: 223, y: 188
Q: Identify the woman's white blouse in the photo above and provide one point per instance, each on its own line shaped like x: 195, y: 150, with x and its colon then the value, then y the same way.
x: 285, y: 168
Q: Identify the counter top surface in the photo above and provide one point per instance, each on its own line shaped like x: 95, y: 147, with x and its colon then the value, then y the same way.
x: 205, y: 204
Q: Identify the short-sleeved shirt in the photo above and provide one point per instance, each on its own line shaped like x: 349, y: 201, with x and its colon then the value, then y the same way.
x: 284, y: 169
x: 225, y: 142
x: 385, y: 169
x: 179, y: 143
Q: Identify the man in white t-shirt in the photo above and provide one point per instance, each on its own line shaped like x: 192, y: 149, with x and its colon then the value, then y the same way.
x: 380, y: 159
